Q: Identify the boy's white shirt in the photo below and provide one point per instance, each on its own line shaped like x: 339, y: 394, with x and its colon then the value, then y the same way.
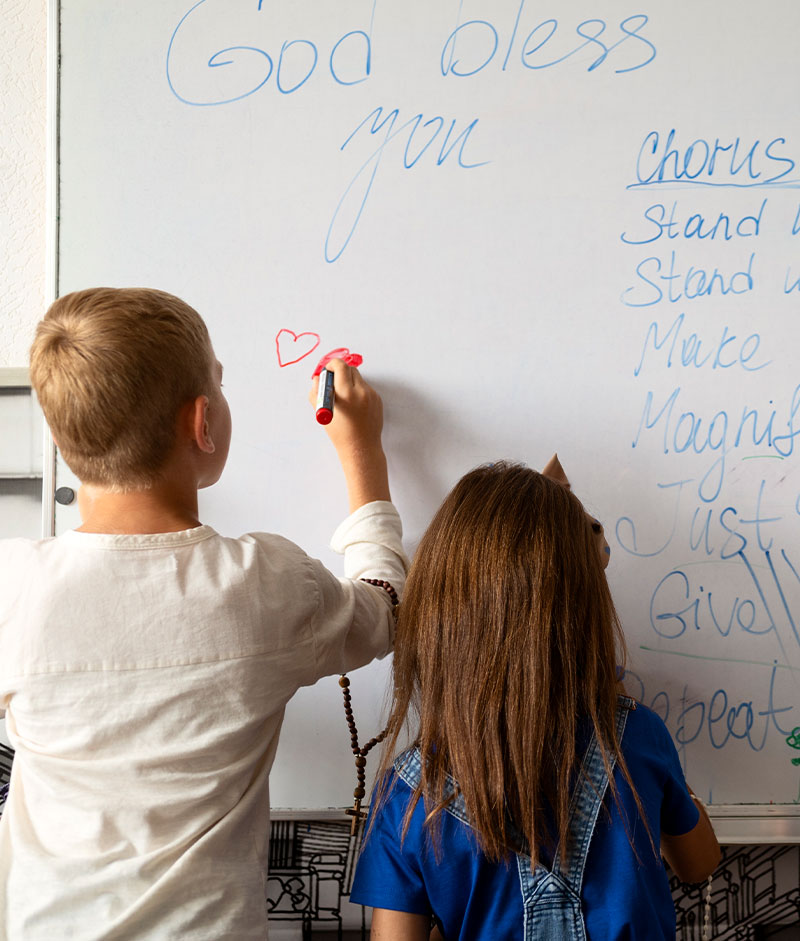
x: 144, y: 680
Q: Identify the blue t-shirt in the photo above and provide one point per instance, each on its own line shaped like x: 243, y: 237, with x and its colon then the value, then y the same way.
x: 474, y: 899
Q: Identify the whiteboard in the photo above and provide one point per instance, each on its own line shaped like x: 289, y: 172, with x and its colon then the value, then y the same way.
x: 568, y: 227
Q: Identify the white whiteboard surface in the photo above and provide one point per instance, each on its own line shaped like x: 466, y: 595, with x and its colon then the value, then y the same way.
x: 571, y: 227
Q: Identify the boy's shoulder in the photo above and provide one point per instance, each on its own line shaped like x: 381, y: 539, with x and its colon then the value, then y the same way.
x: 19, y: 550
x: 20, y: 557
x: 20, y: 566
x: 270, y: 549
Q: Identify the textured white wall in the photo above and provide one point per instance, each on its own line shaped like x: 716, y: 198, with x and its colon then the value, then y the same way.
x: 23, y: 85
x: 22, y: 174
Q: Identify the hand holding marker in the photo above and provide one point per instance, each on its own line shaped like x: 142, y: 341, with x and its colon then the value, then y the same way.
x: 325, y: 393
x: 355, y: 432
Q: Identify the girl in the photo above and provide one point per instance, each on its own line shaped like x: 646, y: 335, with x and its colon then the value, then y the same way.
x: 537, y: 800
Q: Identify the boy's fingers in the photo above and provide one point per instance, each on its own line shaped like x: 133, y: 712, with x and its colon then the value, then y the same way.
x: 351, y: 389
x: 343, y: 379
x: 342, y: 374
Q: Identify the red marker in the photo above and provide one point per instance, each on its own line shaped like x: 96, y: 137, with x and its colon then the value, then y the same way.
x: 325, y: 397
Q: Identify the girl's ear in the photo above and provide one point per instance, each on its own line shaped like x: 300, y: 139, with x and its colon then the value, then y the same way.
x: 554, y: 471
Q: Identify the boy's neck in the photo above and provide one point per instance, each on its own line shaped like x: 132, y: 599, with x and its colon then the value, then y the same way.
x: 160, y: 509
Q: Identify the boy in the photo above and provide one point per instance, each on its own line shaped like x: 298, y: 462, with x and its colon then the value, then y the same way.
x: 146, y: 660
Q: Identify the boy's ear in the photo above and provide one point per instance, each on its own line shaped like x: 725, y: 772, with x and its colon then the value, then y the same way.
x: 554, y: 471
x: 198, y: 420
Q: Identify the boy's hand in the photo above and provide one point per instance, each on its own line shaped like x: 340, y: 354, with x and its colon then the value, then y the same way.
x: 357, y: 411
x: 355, y: 431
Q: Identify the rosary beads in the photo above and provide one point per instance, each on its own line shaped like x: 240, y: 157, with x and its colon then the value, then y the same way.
x: 360, y: 752
x: 360, y: 757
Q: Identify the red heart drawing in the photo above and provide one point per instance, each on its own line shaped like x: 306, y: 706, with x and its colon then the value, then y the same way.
x: 292, y: 345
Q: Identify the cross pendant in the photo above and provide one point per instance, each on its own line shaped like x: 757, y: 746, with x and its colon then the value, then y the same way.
x: 357, y: 814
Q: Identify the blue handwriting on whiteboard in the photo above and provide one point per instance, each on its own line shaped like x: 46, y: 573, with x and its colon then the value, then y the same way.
x: 691, y: 351
x: 663, y: 224
x: 717, y: 717
x: 420, y: 134
x: 684, y: 430
x: 789, y: 287
x: 677, y: 285
x: 680, y: 603
x: 713, y: 163
x: 720, y: 533
x: 531, y: 51
x: 297, y: 60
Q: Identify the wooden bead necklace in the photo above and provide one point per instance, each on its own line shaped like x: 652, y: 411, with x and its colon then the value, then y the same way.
x: 361, y: 752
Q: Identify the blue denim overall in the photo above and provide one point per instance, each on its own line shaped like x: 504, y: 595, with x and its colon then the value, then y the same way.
x: 551, y: 898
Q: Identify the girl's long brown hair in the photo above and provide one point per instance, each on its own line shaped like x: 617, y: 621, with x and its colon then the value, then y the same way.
x: 507, y: 640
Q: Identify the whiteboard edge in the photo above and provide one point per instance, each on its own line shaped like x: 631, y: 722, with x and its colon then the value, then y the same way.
x: 733, y: 823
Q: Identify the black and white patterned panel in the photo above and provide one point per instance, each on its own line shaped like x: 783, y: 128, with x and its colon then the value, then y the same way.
x: 755, y: 892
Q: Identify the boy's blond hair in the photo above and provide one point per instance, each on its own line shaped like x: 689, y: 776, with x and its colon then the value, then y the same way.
x: 111, y: 368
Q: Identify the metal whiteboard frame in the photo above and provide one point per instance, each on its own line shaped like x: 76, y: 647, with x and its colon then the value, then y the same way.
x: 756, y: 823
x: 733, y: 823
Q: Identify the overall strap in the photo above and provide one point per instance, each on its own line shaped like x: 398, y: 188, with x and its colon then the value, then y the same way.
x: 587, y: 798
x: 551, y: 899
x: 408, y: 766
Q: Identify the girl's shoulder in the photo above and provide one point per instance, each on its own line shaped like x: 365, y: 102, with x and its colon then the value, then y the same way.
x: 408, y: 763
x: 398, y: 783
x: 647, y: 741
x: 644, y: 721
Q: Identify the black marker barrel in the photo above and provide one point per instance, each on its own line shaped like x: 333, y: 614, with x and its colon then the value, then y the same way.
x: 325, y: 397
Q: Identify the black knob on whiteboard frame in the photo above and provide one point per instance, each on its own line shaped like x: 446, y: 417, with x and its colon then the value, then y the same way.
x: 65, y: 496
